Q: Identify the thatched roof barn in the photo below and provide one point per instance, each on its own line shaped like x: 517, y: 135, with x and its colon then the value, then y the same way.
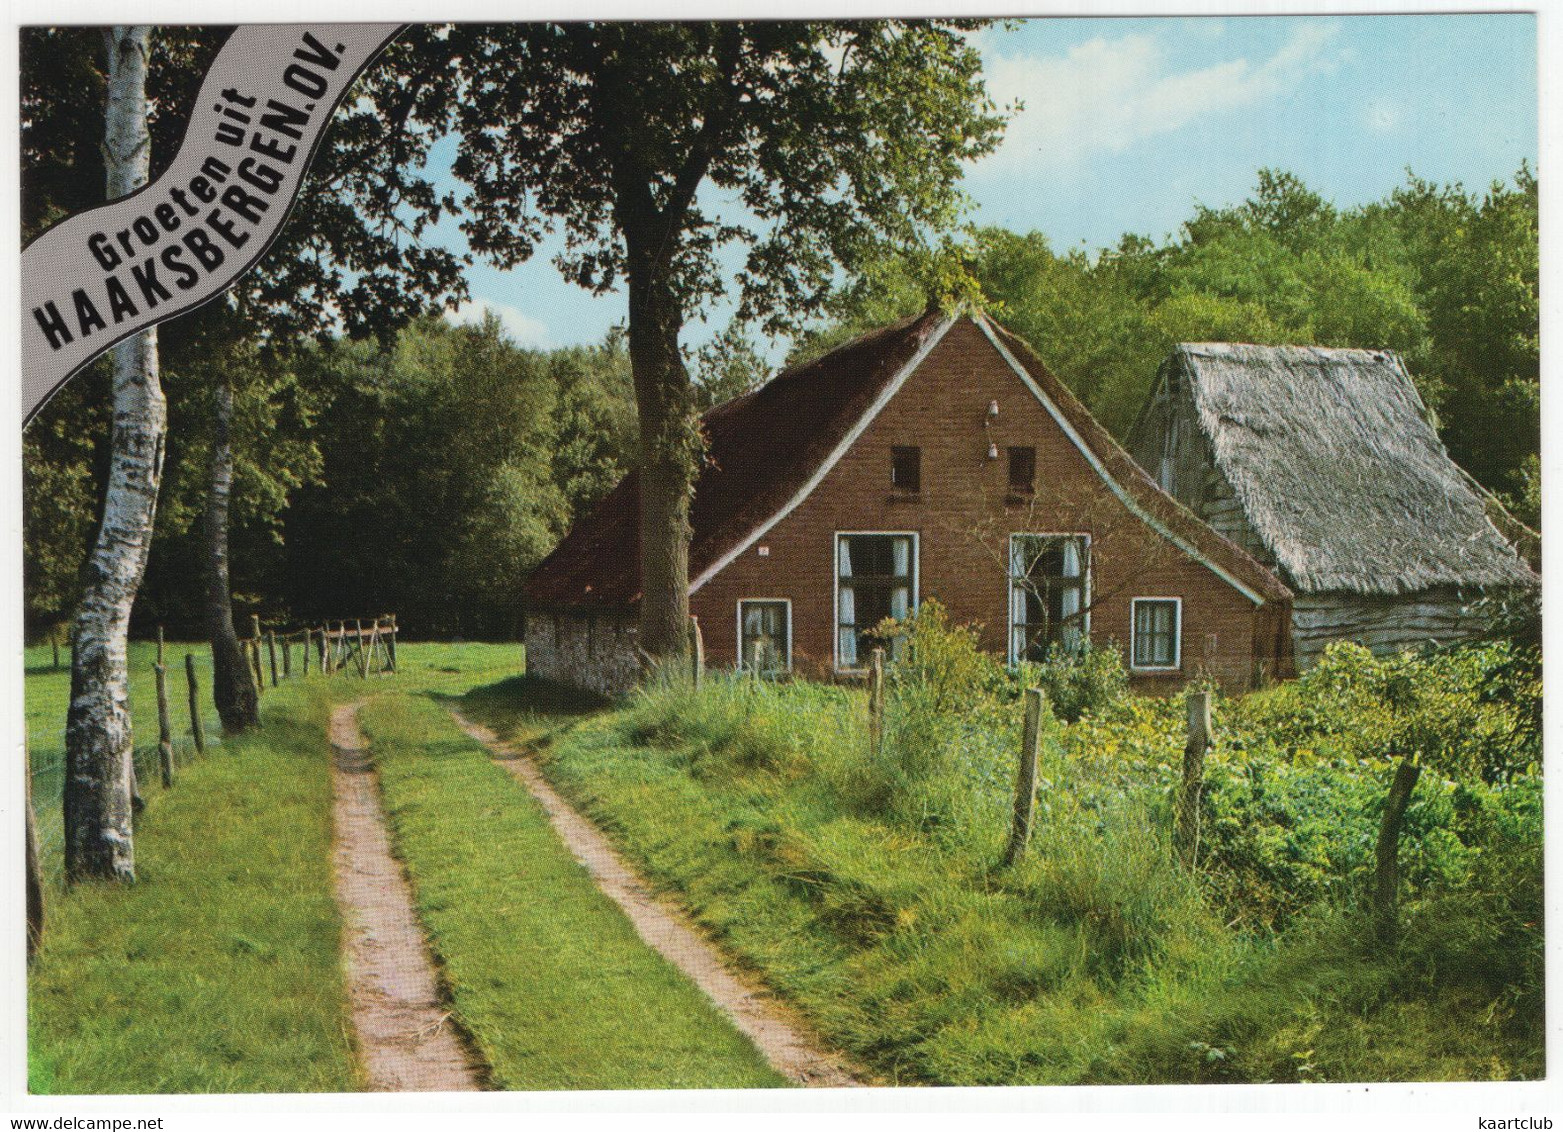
x: 1323, y: 464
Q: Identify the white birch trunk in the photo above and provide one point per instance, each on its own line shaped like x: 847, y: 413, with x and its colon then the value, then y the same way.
x: 98, y: 743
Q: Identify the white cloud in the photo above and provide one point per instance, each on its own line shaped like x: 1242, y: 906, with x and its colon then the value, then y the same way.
x: 522, y: 328
x: 1383, y: 115
x: 1108, y: 94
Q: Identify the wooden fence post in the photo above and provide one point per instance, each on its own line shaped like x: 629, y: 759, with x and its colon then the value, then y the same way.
x: 363, y: 659
x: 287, y: 656
x: 1026, y: 778
x: 165, y: 725
x: 390, y: 644
x: 271, y: 651
x: 35, y: 910
x: 308, y: 636
x: 197, y: 729
x: 876, y: 703
x: 1386, y: 872
x: 374, y: 647
x: 254, y: 651
x: 1186, y: 832
x: 756, y: 651
x: 697, y: 652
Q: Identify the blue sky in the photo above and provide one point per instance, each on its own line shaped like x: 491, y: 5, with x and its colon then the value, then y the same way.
x: 1128, y: 123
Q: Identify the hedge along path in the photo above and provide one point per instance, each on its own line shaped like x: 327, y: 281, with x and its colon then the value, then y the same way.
x: 404, y: 1036
x: 761, y: 1019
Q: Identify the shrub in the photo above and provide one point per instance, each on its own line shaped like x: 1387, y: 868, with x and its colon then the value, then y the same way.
x: 1090, y: 681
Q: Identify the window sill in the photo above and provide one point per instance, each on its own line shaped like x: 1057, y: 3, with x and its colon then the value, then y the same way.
x: 1174, y: 670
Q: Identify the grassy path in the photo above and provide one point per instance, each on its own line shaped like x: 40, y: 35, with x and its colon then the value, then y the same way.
x: 544, y: 972
x: 759, y: 1017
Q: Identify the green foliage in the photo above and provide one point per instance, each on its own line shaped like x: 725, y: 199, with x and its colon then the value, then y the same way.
x: 1091, y: 680
x: 728, y: 366
x: 453, y: 463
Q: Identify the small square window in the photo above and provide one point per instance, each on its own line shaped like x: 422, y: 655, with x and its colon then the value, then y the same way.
x: 1023, y: 469
x: 1156, y: 633
x: 906, y: 468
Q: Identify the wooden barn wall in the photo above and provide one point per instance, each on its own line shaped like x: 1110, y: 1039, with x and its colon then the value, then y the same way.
x: 1385, y: 625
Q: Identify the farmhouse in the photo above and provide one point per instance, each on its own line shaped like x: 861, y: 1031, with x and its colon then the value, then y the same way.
x: 1322, y: 464
x: 933, y: 459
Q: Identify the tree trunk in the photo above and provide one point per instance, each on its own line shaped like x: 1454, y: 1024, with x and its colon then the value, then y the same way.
x: 233, y: 689
x: 97, y: 730
x: 669, y: 451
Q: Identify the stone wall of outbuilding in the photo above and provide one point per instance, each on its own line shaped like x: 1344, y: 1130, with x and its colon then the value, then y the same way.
x: 592, y: 651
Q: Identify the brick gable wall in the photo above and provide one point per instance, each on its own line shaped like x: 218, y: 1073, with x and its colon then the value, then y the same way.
x: 964, y: 515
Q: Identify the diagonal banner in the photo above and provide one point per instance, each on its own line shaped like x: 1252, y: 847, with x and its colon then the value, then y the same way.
x: 100, y: 276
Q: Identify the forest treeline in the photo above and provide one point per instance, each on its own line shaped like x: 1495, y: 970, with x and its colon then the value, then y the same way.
x: 428, y: 471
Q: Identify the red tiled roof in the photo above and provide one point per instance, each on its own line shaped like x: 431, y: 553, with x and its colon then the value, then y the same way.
x: 764, y: 447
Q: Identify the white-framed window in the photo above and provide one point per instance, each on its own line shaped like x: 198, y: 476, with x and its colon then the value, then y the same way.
x: 1049, y: 594
x: 765, y: 623
x: 1156, y: 633
x: 876, y: 578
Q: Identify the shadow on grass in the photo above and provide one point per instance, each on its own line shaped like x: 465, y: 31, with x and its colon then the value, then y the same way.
x: 526, y: 706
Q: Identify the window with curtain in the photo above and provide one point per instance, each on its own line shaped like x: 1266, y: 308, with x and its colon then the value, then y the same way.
x: 765, y: 626
x: 874, y: 577
x: 1048, y: 586
x: 1156, y: 631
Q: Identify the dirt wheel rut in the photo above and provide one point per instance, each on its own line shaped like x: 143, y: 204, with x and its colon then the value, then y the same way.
x: 405, y: 1036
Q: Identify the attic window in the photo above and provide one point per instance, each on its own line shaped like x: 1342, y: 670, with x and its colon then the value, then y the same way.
x: 906, y: 468
x: 1023, y: 470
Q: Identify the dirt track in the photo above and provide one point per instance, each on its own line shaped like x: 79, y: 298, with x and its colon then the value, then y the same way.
x: 762, y: 1019
x: 404, y: 1035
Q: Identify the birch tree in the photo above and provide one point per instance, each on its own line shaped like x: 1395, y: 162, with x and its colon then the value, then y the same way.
x: 98, y: 744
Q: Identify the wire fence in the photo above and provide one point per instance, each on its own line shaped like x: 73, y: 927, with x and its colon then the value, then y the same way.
x: 46, y: 744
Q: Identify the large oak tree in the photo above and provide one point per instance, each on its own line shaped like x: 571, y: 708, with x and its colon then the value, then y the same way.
x: 653, y: 146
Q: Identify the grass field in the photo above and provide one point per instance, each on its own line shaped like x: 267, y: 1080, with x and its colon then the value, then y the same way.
x: 48, y: 696
x: 218, y: 970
